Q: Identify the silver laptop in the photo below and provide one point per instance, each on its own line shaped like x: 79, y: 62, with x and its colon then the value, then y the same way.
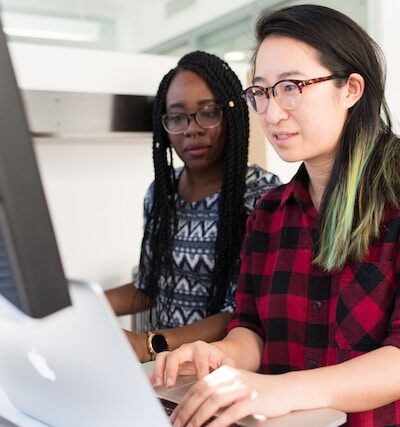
x: 76, y: 368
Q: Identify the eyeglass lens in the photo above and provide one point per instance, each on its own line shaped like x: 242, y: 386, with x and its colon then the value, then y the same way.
x: 286, y: 93
x: 207, y: 117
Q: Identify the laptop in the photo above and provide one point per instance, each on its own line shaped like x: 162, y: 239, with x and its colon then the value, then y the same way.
x: 76, y: 368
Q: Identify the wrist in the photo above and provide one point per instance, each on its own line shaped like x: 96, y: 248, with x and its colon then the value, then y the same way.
x: 304, y: 391
x: 138, y: 342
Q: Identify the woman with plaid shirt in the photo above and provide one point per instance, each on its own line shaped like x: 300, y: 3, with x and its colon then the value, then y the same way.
x: 318, y: 301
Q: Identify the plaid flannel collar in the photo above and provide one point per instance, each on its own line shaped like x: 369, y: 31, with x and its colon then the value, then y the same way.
x: 297, y: 190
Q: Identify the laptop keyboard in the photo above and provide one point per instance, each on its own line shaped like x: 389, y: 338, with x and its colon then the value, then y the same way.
x: 170, y: 406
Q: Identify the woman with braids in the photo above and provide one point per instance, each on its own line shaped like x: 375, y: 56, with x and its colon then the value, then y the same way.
x: 194, y: 215
x: 318, y: 298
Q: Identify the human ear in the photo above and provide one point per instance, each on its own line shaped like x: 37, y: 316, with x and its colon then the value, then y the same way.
x: 354, y: 89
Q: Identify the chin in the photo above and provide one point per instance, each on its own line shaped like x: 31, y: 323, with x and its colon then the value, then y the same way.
x: 289, y: 157
x: 197, y: 165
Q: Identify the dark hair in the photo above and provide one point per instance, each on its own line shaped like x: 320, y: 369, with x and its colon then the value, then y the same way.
x: 365, y: 174
x: 226, y: 86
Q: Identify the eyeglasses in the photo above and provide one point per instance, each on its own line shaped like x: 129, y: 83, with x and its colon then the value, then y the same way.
x: 287, y: 93
x: 207, y: 117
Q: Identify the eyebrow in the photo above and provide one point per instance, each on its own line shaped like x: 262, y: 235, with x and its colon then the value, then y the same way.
x: 200, y: 103
x: 281, y: 76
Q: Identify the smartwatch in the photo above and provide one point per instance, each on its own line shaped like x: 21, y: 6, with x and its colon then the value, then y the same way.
x: 156, y: 343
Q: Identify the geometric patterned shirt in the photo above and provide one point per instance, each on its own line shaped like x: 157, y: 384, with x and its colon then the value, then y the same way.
x: 193, y: 253
x: 306, y: 316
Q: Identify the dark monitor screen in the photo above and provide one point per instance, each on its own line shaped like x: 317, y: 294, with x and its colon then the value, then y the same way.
x: 31, y: 273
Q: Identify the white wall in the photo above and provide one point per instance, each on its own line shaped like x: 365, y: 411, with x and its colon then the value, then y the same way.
x: 95, y: 191
x: 94, y: 186
x: 385, y: 18
x: 70, y: 69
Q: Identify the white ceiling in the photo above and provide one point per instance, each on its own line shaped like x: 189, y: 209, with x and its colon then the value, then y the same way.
x: 85, y: 7
x: 168, y: 26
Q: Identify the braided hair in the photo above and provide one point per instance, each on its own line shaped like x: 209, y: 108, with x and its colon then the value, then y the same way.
x: 161, y: 226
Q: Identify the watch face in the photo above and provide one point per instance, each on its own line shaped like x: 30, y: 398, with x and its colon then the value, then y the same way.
x: 159, y: 343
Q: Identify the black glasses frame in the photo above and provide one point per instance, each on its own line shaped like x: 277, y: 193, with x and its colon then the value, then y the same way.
x: 193, y: 116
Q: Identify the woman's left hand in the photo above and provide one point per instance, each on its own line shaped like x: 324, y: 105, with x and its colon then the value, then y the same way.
x: 234, y: 394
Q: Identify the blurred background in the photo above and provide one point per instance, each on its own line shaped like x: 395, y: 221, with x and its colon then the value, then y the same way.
x: 88, y: 71
x: 166, y: 27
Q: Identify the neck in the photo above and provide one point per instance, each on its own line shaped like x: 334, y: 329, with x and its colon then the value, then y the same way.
x: 319, y: 175
x: 195, y: 185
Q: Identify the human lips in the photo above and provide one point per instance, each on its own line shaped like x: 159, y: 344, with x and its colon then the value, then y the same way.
x: 283, y: 136
x: 197, y: 149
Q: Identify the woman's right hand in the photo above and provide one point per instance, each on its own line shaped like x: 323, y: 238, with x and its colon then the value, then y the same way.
x: 197, y: 358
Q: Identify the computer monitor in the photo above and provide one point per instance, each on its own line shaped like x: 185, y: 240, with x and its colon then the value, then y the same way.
x: 31, y: 272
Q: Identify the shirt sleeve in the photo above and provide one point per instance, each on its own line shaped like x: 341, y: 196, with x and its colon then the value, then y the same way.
x: 258, y: 182
x: 139, y: 275
x: 246, y: 314
x: 393, y: 337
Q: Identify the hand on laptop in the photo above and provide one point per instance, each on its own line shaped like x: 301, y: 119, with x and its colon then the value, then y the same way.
x: 232, y: 394
x: 198, y: 358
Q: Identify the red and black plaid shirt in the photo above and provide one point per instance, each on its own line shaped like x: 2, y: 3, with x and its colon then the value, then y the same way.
x: 309, y: 318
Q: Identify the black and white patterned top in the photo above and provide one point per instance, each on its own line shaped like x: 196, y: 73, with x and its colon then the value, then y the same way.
x: 193, y: 253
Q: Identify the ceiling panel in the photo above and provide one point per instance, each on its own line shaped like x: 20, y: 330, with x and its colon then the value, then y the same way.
x: 129, y: 25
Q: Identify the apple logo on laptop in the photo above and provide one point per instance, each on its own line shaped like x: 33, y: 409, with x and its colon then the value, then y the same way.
x: 40, y: 364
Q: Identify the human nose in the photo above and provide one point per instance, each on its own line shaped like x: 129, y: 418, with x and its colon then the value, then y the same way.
x: 192, y: 127
x: 274, y: 113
